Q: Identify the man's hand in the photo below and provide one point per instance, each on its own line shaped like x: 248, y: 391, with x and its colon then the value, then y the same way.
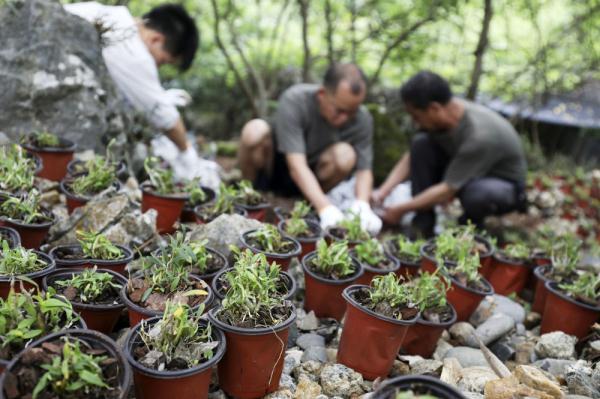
x: 369, y: 221
x: 378, y: 195
x: 392, y: 215
x: 330, y: 216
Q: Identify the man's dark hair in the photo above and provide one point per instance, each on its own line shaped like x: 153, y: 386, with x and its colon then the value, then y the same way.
x: 179, y: 28
x: 425, y: 88
x: 349, y: 72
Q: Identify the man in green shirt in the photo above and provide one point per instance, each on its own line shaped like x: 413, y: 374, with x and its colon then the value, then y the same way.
x: 320, y: 135
x: 466, y: 150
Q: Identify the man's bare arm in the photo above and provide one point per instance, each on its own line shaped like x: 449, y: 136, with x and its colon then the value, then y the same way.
x: 177, y: 134
x: 399, y: 174
x: 364, y: 184
x: 306, y: 180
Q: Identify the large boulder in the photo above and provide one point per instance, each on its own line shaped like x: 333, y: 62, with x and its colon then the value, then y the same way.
x: 53, y: 76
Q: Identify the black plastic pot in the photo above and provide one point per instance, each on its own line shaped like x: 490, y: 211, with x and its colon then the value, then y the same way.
x: 219, y: 292
x: 188, y: 215
x: 420, y: 385
x: 5, y: 281
x: 11, y: 235
x: 115, y: 265
x: 180, y: 384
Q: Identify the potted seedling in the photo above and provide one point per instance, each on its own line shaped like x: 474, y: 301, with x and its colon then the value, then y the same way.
x: 77, y: 167
x: 27, y: 317
x: 256, y: 320
x: 377, y: 318
x: 162, y: 194
x: 173, y: 355
x: 268, y: 240
x: 223, y: 205
x: 307, y: 232
x: 68, y: 365
x: 468, y: 287
x: 11, y: 236
x: 92, y: 249
x: 196, y: 256
x: 27, y: 217
x: 348, y: 230
x: 223, y: 281
x: 572, y: 307
x: 436, y: 314
x: 374, y: 260
x: 22, y: 264
x: 416, y: 387
x: 327, y: 272
x: 564, y: 257
x: 94, y: 294
x: 509, y: 269
x: 55, y: 152
x: 79, y: 189
x: 159, y: 281
x: 17, y: 169
x: 301, y: 210
x: 407, y: 252
x: 199, y: 195
x: 251, y: 201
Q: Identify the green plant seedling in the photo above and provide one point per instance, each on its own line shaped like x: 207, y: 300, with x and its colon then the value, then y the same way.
x: 333, y: 260
x: 408, y: 250
x: 247, y: 195
x: 301, y: 210
x: 182, y: 254
x: 100, y: 175
x: 98, y: 246
x: 90, y: 284
x: 195, y: 191
x: 296, y: 227
x: 17, y: 170
x: 586, y: 287
x: 370, y: 252
x: 44, y: 139
x: 19, y: 261
x: 161, y: 179
x: 429, y: 291
x: 354, y: 231
x: 270, y: 240
x: 388, y: 290
x: 26, y: 209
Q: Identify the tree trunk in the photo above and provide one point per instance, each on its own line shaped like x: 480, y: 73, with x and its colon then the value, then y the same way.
x: 353, y: 43
x: 329, y: 32
x: 306, y: 62
x: 480, y: 50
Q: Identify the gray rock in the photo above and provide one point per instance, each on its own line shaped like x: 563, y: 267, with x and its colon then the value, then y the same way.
x: 133, y: 228
x: 339, y: 380
x: 579, y: 380
x: 217, y: 395
x: 556, y: 345
x: 280, y: 394
x: 308, y: 322
x: 462, y: 332
x: 223, y: 231
x: 556, y: 367
x: 490, y: 330
x: 503, y: 351
x: 473, y: 379
x: 287, y: 382
x: 310, y: 369
x: 596, y: 376
x: 428, y: 367
x: 467, y: 357
x: 497, y: 304
x: 441, y: 349
x: 292, y: 359
x: 307, y: 389
x: 152, y: 359
x: 322, y: 397
x: 306, y: 341
x: 473, y: 395
x: 4, y: 139
x: 328, y: 329
x: 576, y: 397
x: 520, y: 329
x: 315, y: 353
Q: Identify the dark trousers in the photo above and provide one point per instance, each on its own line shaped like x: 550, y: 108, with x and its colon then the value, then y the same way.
x: 479, y: 198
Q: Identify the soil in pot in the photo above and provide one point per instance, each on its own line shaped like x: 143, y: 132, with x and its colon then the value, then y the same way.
x: 23, y: 268
x: 373, y: 329
x: 95, y: 294
x: 417, y: 385
x: 55, y: 156
x: 307, y: 237
x: 74, y: 358
x: 11, y: 236
x: 277, y: 247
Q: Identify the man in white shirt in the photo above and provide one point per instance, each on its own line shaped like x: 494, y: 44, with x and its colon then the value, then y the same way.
x: 133, y: 51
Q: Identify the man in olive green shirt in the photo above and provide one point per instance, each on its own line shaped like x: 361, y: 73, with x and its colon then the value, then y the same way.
x: 466, y: 150
x: 321, y: 135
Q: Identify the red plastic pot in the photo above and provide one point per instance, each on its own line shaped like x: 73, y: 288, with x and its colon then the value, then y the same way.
x: 219, y: 291
x: 282, y: 260
x: 192, y: 383
x: 5, y: 281
x: 11, y: 236
x: 563, y: 313
x: 253, y: 362
x: 429, y: 264
x: 331, y: 238
x: 101, y: 318
x: 188, y: 215
x: 77, y: 201
x: 200, y: 219
x: 324, y: 296
x: 539, y: 300
x: 406, y: 269
x: 308, y: 244
x: 465, y: 299
x: 371, y: 272
x: 370, y: 341
x: 507, y: 276
x: 54, y: 160
x: 169, y: 207
x: 138, y: 313
x: 32, y: 234
x: 257, y: 212
x: 77, y: 166
x: 422, y: 337
x: 117, y: 265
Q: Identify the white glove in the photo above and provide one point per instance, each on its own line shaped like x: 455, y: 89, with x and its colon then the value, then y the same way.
x: 189, y: 165
x: 369, y: 221
x: 178, y: 97
x: 330, y: 216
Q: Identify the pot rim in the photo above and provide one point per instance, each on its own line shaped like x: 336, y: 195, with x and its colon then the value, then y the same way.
x: 206, y: 189
x: 327, y: 233
x: 302, y: 240
x: 173, y: 374
x: 472, y: 290
x: 497, y: 256
x: 387, y: 243
x: 538, y: 271
x: 208, y: 275
x: 552, y: 286
x: 253, y: 331
x: 147, y: 188
x: 120, y: 166
x: 348, y: 280
x: 297, y: 250
x: 57, y: 274
x: 278, y: 210
x: 65, y: 190
x: 424, y: 322
x: 407, y: 380
x: 429, y: 243
x: 128, y: 257
x: 220, y: 296
x: 50, y: 266
x: 259, y: 207
x: 236, y: 209
x: 346, y: 294
x: 13, y: 234
x: 368, y: 268
x: 70, y: 146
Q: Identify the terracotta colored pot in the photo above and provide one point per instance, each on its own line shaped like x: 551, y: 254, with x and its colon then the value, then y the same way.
x: 117, y: 265
x: 188, y: 215
x: 370, y: 341
x: 93, y: 339
x: 257, y: 212
x: 192, y: 383
x: 539, y: 300
x: 101, y: 318
x: 465, y: 300
x: 370, y: 272
x: 76, y: 166
x: 282, y: 260
x: 563, y: 313
x: 201, y: 220
x: 253, y: 362
x: 407, y: 270
x: 507, y: 276
x: 137, y: 313
x: 32, y: 234
x: 76, y: 201
x: 5, y: 281
x: 429, y: 264
x: 54, y: 160
x: 422, y: 337
x: 308, y: 244
x: 11, y: 235
x: 324, y: 296
x: 219, y: 291
x: 169, y: 207
x: 418, y: 384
